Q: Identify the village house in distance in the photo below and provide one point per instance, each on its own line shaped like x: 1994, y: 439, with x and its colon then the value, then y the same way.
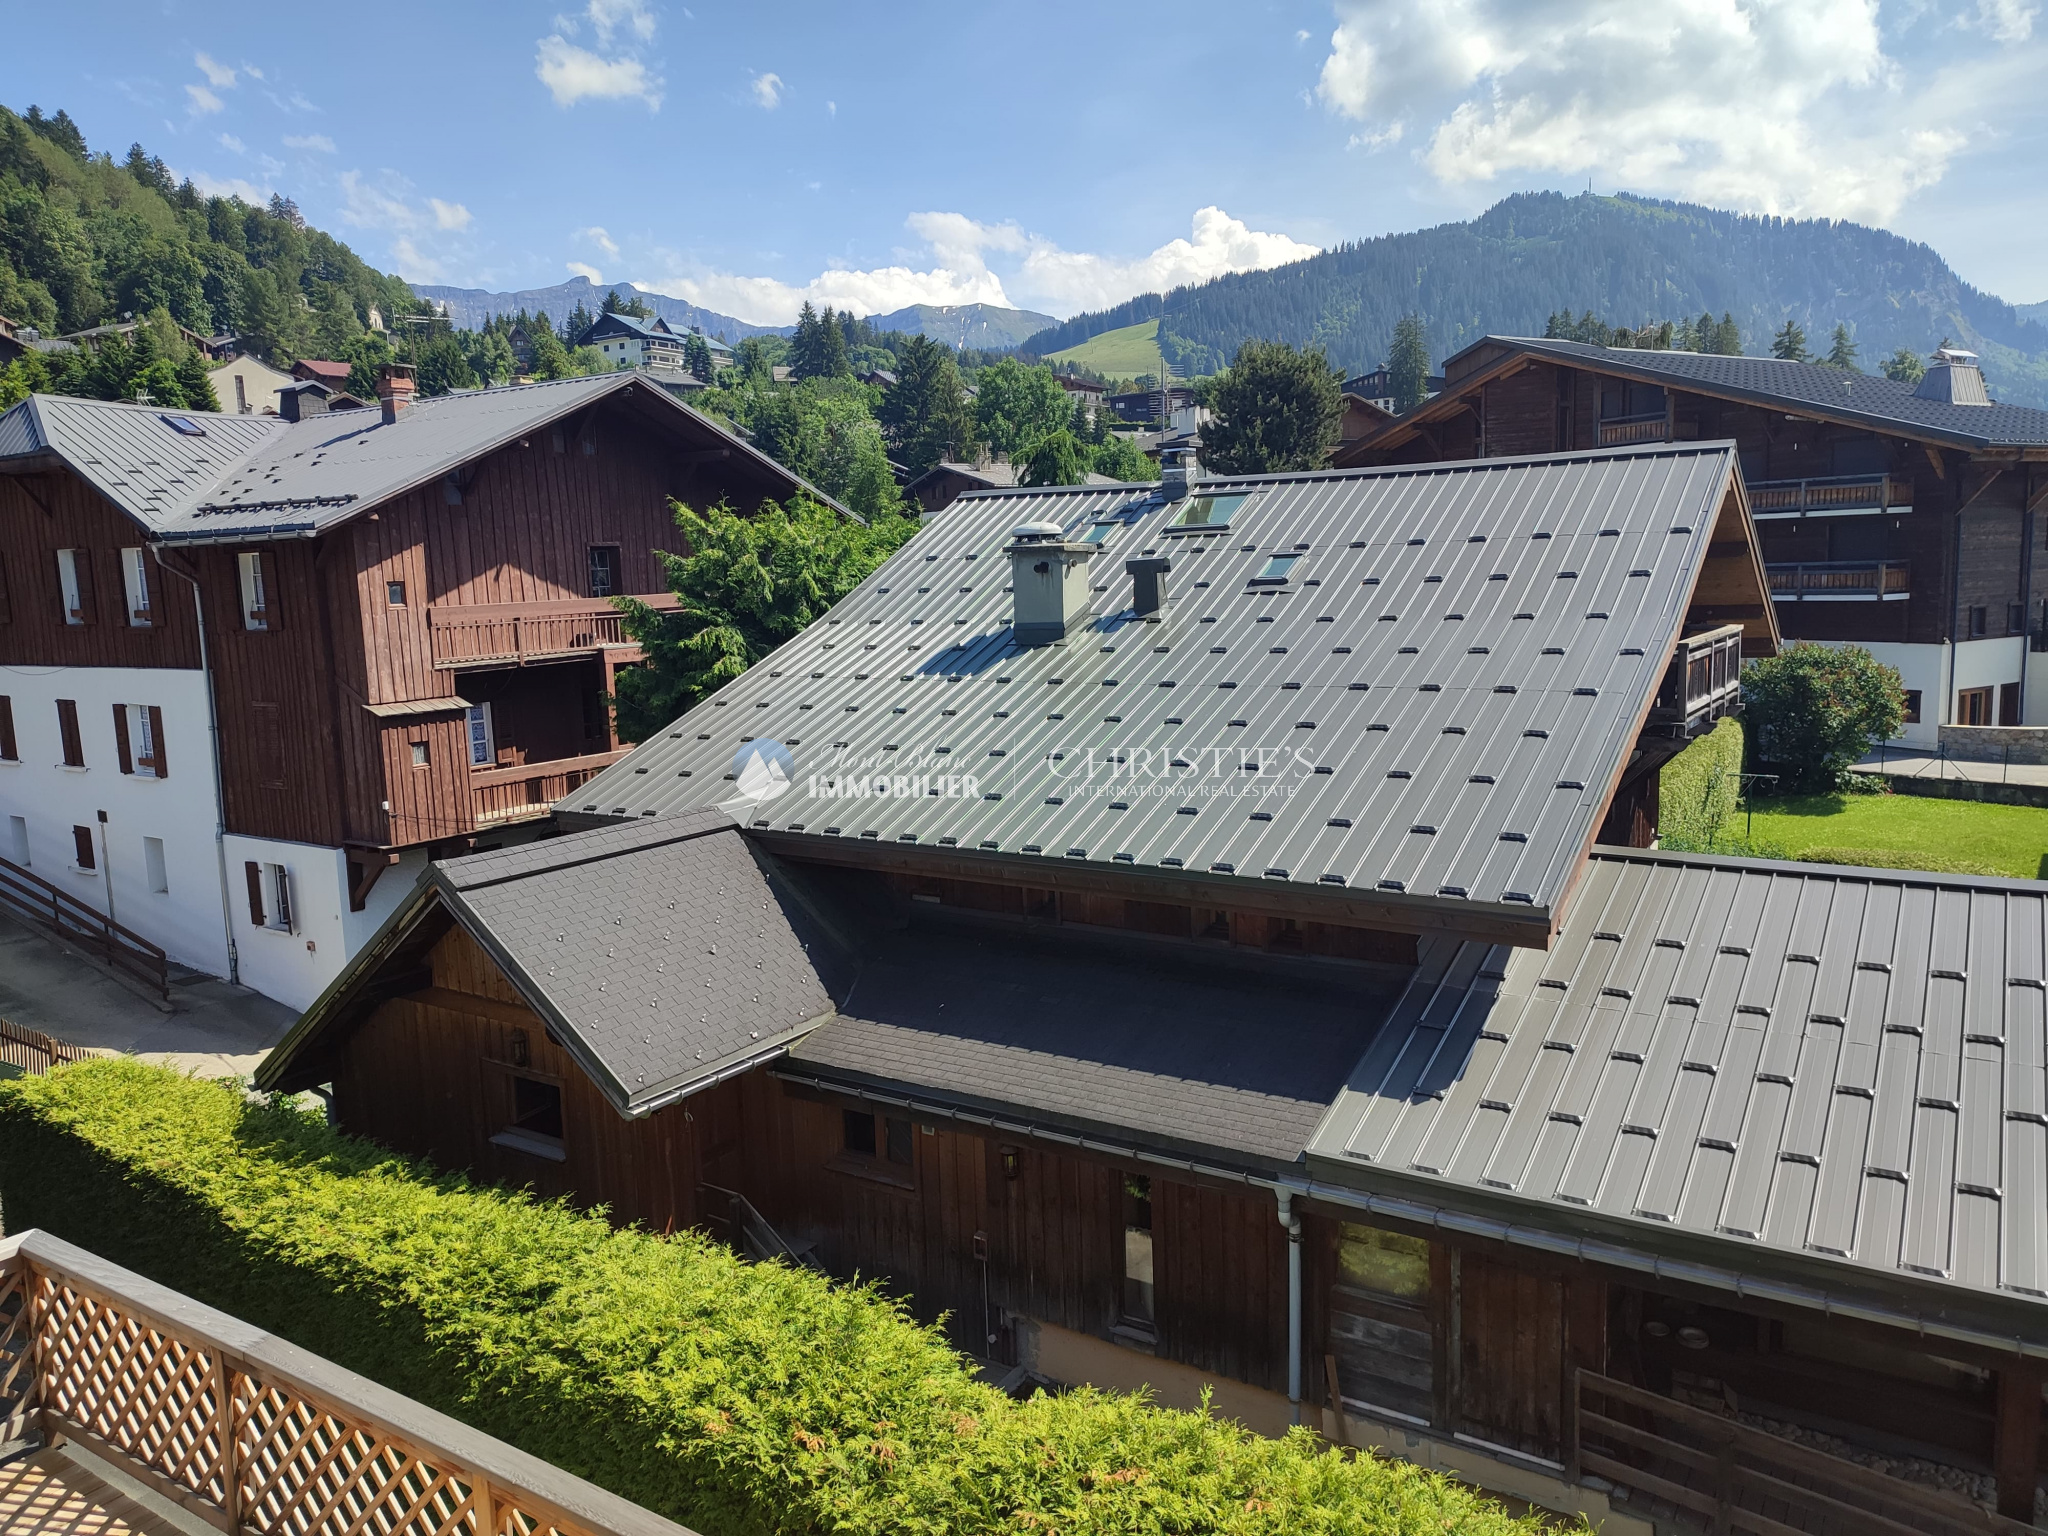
x: 1905, y: 518
x: 1205, y: 933
x: 253, y: 662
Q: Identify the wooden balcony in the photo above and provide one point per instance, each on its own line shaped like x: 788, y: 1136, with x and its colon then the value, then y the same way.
x: 525, y: 790
x: 1835, y: 581
x: 520, y: 634
x: 1833, y: 496
x: 1653, y: 427
x: 1703, y: 682
x: 247, y: 1432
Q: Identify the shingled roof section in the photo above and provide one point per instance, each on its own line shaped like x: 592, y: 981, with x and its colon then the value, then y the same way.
x: 1840, y: 1066
x: 1427, y: 714
x: 1836, y: 392
x: 664, y: 957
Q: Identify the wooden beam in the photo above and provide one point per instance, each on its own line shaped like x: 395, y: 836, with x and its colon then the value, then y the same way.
x: 366, y: 868
x: 1975, y: 496
x: 2016, y: 1456
x: 472, y: 1003
x: 1934, y: 458
x: 2039, y: 497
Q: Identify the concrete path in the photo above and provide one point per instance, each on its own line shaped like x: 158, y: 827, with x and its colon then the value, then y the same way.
x: 1927, y: 765
x: 214, y: 1029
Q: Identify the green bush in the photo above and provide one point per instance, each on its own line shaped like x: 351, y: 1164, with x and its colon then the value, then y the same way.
x: 1813, y: 710
x: 738, y: 1398
x: 1699, y: 792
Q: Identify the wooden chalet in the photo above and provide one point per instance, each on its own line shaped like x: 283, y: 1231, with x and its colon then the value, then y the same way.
x: 1205, y: 935
x: 253, y: 662
x: 1904, y: 518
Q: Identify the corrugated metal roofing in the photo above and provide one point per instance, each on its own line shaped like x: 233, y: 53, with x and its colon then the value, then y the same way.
x: 1431, y: 708
x: 1842, y: 1064
x: 253, y: 477
x: 1839, y: 392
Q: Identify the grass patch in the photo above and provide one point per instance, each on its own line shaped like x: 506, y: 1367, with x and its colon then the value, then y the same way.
x: 1123, y: 353
x: 743, y: 1399
x: 1959, y: 837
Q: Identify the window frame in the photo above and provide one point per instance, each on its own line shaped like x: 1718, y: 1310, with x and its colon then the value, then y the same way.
x: 84, y: 855
x: 1137, y: 1300
x: 74, y: 587
x: 1910, y: 706
x: 615, y: 561
x: 391, y: 587
x: 20, y: 852
x: 156, y: 868
x: 877, y: 1160
x: 480, y: 715
x: 269, y: 887
x: 1238, y: 501
x: 135, y: 587
x: 1971, y: 701
x: 518, y: 1134
x: 257, y: 612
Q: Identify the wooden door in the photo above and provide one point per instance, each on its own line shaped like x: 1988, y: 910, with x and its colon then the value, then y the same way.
x: 1510, y: 1357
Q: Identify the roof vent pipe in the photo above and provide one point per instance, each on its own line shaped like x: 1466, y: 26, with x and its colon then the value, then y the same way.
x: 1049, y: 582
x: 1955, y: 378
x: 1148, y: 587
x: 1179, y: 469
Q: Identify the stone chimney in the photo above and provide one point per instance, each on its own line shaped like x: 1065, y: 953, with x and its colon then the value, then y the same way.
x: 1954, y: 377
x: 1049, y: 582
x: 395, y: 388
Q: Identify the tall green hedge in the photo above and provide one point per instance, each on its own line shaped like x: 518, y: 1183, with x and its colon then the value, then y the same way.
x: 736, y: 1398
x: 1699, y: 791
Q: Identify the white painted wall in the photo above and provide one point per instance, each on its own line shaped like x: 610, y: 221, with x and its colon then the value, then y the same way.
x: 179, y: 808
x: 1987, y: 664
x: 2035, y: 710
x: 1924, y: 667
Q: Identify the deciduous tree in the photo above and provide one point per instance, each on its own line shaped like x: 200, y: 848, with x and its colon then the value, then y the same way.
x: 1813, y: 710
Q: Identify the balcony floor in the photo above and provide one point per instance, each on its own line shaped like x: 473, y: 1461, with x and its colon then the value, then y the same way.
x: 49, y: 1494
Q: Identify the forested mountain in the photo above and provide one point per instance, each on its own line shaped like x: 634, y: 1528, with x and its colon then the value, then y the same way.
x: 1629, y: 260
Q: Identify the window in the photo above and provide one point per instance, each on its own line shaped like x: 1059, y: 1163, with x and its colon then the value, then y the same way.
x: 138, y: 739
x: 537, y: 1107
x: 67, y: 733
x: 74, y: 582
x: 1628, y: 400
x: 2008, y: 703
x: 1381, y: 1330
x: 2015, y: 618
x: 153, y: 867
x: 17, y: 840
x: 1973, y: 706
x: 1274, y: 572
x: 861, y: 1138
x: 1385, y: 1263
x: 482, y: 750
x: 1912, y: 715
x: 1099, y: 533
x: 10, y: 749
x: 270, y: 896
x: 135, y: 582
x: 81, y: 849
x: 857, y: 1132
x: 184, y: 426
x: 419, y: 755
x: 1138, y: 1292
x: 1980, y: 625
x: 256, y: 612
x: 394, y: 593
x: 1207, y: 512
x: 604, y: 570
x: 241, y: 396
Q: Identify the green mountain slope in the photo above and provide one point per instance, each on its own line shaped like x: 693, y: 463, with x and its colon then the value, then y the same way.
x: 1124, y: 353
x: 1629, y: 260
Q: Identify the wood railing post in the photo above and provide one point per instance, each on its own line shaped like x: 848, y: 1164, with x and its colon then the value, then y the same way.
x: 36, y: 1402
x: 228, y: 1435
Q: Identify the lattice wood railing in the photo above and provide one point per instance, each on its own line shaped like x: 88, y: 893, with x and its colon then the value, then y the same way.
x: 254, y: 1434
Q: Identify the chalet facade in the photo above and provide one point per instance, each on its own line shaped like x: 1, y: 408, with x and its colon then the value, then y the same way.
x: 1903, y: 518
x: 629, y: 342
x: 251, y: 663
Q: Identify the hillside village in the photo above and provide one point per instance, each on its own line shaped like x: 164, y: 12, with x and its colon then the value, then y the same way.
x: 1126, y: 910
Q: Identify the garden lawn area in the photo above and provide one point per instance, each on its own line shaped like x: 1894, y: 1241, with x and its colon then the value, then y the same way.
x: 1123, y: 353
x: 1965, y: 837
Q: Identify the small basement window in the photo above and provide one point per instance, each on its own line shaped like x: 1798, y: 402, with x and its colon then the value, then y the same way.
x: 536, y: 1126
x: 1206, y: 513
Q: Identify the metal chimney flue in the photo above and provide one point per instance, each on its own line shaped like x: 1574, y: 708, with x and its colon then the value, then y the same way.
x: 1179, y: 470
x: 1148, y: 587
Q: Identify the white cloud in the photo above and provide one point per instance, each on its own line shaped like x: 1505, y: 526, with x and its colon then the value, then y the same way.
x: 1040, y: 273
x: 252, y: 71
x: 584, y: 269
x: 571, y: 73
x: 831, y: 109
x: 1779, y: 106
x: 415, y: 265
x: 374, y: 207
x: 633, y: 16
x: 767, y: 91
x: 203, y: 100
x: 231, y: 186
x: 313, y: 141
x: 448, y: 215
x: 216, y: 74
x: 229, y: 141
x: 2006, y: 21
x: 598, y: 236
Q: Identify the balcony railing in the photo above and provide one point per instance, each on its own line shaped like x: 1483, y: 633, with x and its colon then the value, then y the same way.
x: 1831, y: 495
x: 1704, y: 681
x: 516, y: 634
x: 1839, y: 581
x: 252, y: 1434
x: 515, y: 793
x: 1650, y: 427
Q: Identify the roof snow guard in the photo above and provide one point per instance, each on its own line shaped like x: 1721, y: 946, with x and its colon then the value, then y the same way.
x: 1403, y: 693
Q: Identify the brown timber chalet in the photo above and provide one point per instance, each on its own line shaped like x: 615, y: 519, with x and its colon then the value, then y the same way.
x: 1205, y: 934
x: 253, y: 662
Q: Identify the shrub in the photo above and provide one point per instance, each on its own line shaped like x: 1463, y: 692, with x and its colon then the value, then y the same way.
x: 1813, y: 710
x: 1699, y: 791
x: 739, y: 1398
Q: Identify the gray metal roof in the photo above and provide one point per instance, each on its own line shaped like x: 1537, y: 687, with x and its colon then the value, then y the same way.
x: 248, y: 478
x: 1213, y: 1060
x: 665, y: 957
x: 1844, y: 1065
x: 1863, y: 397
x: 1437, y: 701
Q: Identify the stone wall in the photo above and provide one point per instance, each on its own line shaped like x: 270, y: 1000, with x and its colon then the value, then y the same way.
x: 1993, y: 743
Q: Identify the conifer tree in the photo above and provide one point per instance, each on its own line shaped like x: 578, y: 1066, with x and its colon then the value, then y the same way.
x: 924, y: 412
x: 1279, y: 409
x: 1843, y: 353
x: 1408, y: 362
x: 1789, y: 345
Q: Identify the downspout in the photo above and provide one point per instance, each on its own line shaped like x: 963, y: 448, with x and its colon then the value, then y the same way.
x: 1955, y: 597
x: 2026, y: 586
x: 220, y: 815
x: 1291, y: 1220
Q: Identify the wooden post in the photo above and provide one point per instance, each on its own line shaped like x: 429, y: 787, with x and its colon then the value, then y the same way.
x: 1336, y: 1399
x: 2016, y: 1457
x: 38, y: 1396
x: 226, y: 1436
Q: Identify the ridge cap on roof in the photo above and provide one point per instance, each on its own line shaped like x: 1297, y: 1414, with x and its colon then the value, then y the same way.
x: 593, y: 846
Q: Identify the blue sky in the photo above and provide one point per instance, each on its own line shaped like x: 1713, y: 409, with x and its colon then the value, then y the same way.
x: 1051, y: 156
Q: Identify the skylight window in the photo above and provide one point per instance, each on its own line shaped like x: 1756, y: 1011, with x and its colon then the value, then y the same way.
x: 1275, y: 571
x: 1100, y: 533
x: 1208, y: 513
x: 184, y: 426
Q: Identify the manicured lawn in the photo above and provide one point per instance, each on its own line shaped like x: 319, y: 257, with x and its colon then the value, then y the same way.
x: 1120, y: 354
x: 1901, y: 832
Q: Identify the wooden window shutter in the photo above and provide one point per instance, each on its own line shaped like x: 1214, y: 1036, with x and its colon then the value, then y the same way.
x: 82, y: 565
x: 121, y: 738
x: 156, y: 742
x: 81, y: 848
x: 67, y: 731
x: 254, y: 872
x: 9, y: 748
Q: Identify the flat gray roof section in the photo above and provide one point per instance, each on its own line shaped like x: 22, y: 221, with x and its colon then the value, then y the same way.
x: 1218, y: 1062
x: 666, y: 957
x: 1840, y: 1067
x: 1422, y: 723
